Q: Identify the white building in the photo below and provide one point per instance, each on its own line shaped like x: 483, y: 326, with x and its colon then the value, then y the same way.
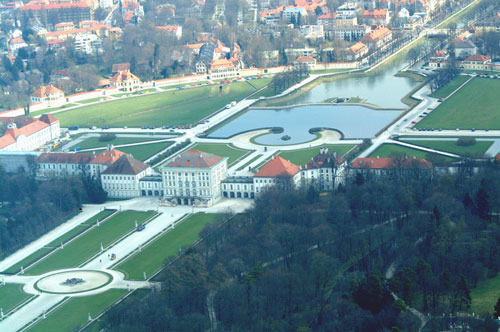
x: 49, y: 96
x: 193, y: 178
x: 121, y: 179
x: 27, y: 133
x: 105, y: 3
x: 124, y: 80
x: 325, y: 171
x: 69, y: 164
x: 277, y: 173
x: 151, y: 185
x: 87, y: 43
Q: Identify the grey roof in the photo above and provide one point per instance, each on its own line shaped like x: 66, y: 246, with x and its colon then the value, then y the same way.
x: 126, y: 165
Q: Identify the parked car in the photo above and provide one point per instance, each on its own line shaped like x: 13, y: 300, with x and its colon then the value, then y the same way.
x: 73, y: 128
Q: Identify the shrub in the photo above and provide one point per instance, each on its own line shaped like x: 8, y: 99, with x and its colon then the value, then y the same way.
x: 107, y: 137
x: 466, y: 141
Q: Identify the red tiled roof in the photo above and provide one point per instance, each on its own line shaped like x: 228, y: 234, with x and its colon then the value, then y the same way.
x: 305, y: 58
x: 168, y: 28
x: 376, y: 13
x: 122, y: 76
x: 48, y: 118
x: 35, y: 5
x: 278, y: 167
x: 389, y: 163
x: 120, y: 66
x: 43, y: 91
x: 106, y: 157
x: 126, y: 165
x: 478, y: 58
x: 195, y: 158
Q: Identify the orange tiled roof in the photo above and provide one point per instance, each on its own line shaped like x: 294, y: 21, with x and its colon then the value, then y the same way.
x: 168, y: 28
x: 375, y: 13
x: 36, y: 6
x: 44, y: 91
x: 122, y: 76
x: 390, y: 163
x: 379, y: 33
x: 357, y: 48
x: 305, y: 58
x: 221, y: 63
x: 478, y: 58
x: 278, y: 167
x: 106, y: 157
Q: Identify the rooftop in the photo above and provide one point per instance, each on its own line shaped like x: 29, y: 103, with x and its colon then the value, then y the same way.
x: 195, y: 158
x: 278, y: 167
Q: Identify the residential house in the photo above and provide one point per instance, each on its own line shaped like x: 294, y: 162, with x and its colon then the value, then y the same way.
x: 222, y: 68
x: 369, y: 167
x: 490, y: 24
x: 305, y: 62
x: 125, y: 81
x: 49, y: 96
x: 477, y: 62
x: 313, y: 32
x: 377, y: 38
x: 376, y: 17
x: 121, y: 179
x: 171, y: 30
x: 439, y: 59
x: 357, y: 51
x: 193, y: 178
x: 464, y: 49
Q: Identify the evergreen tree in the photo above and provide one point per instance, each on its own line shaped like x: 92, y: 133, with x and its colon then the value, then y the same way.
x: 497, y: 308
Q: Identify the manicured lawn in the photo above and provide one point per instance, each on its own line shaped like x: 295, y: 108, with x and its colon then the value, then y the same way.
x: 47, y: 110
x: 11, y: 295
x: 485, y: 295
x: 179, y: 107
x: 477, y: 149
x: 92, y: 100
x: 143, y: 152
x: 473, y: 106
x: 301, y: 157
x: 446, y: 90
x: 328, y: 71
x: 249, y: 162
x: 73, y: 314
x: 152, y: 258
x: 57, y: 242
x: 93, y: 142
x: 87, y: 245
x: 224, y: 150
x: 135, y: 93
x: 392, y: 150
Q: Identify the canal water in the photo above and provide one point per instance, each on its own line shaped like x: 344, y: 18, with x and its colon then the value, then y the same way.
x: 379, y: 87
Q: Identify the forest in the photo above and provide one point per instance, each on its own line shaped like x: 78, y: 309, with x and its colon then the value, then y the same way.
x: 362, y: 258
x: 30, y: 208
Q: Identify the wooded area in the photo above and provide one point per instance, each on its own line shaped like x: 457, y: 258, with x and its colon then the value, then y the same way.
x: 30, y: 208
x: 299, y: 261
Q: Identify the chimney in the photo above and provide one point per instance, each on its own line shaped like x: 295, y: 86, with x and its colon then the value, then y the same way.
x: 378, y: 157
x: 272, y: 157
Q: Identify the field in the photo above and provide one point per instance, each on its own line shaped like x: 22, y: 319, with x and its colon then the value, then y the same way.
x: 87, y: 245
x: 143, y: 152
x: 74, y: 314
x: 47, y: 110
x: 179, y: 107
x: 152, y: 258
x: 224, y: 150
x: 391, y: 150
x: 301, y: 157
x: 93, y: 142
x: 473, y: 106
x: 57, y: 242
x: 477, y: 149
x: 446, y: 90
x: 11, y: 295
x: 485, y: 295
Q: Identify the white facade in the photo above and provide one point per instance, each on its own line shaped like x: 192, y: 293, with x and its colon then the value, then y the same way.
x: 123, y: 185
x: 87, y: 43
x: 105, y: 3
x: 192, y: 184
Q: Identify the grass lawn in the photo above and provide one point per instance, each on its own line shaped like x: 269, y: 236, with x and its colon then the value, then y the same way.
x: 179, y: 107
x: 92, y: 100
x: 135, y: 93
x: 93, y: 142
x: 301, y: 157
x: 143, y: 152
x: 11, y: 295
x: 224, y: 150
x: 57, y: 242
x: 390, y: 150
x: 329, y: 71
x: 477, y: 149
x: 473, y: 106
x: 485, y: 295
x: 249, y: 162
x: 446, y: 90
x: 152, y: 258
x: 47, y: 110
x: 87, y: 245
x: 74, y: 313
